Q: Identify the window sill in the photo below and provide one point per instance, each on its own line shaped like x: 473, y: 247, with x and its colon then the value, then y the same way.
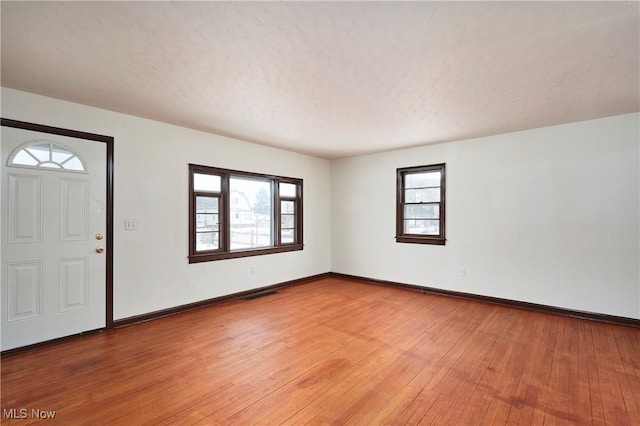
x: 414, y: 239
x: 209, y: 257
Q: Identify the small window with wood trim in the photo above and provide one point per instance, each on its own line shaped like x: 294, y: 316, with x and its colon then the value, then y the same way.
x: 420, y: 205
x: 238, y: 214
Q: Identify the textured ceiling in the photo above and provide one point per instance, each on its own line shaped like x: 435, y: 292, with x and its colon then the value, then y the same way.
x: 332, y: 79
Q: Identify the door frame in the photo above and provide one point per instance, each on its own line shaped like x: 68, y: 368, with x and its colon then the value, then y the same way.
x: 109, y: 192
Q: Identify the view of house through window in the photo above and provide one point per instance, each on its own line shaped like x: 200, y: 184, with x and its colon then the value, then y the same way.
x: 233, y: 214
x: 251, y: 213
x: 207, y: 200
x: 288, y: 209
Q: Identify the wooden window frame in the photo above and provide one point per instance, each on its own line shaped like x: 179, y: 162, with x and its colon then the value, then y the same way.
x: 297, y: 211
x: 401, y: 236
x: 224, y: 247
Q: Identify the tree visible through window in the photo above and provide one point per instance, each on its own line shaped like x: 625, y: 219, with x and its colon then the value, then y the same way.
x: 420, y: 204
x: 234, y: 214
x: 251, y: 222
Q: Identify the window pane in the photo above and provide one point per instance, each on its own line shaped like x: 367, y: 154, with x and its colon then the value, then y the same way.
x: 207, y: 222
x: 206, y: 204
x: 207, y: 241
x: 287, y: 207
x: 208, y: 183
x: 207, y: 218
x: 422, y: 211
x: 287, y: 221
x: 60, y: 154
x: 422, y: 195
x: 287, y: 190
x: 424, y: 227
x: 421, y: 180
x: 287, y: 236
x: 73, y: 164
x: 40, y: 151
x: 24, y: 159
x: 251, y: 219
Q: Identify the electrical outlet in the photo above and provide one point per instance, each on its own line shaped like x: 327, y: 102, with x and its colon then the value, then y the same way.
x: 130, y: 225
x: 462, y: 272
x: 253, y: 270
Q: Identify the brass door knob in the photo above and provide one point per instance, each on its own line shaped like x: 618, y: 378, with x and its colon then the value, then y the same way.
x: 100, y: 250
x: 99, y: 236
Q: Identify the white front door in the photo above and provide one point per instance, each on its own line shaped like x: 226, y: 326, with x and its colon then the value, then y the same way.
x: 53, y: 232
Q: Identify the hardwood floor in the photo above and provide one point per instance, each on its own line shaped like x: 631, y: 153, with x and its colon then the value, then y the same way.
x: 336, y: 352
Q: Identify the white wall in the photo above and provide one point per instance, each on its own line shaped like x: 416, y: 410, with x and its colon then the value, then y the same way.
x: 547, y: 216
x: 151, y: 271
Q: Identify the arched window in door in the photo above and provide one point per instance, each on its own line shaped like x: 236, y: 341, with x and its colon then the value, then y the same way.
x: 43, y: 154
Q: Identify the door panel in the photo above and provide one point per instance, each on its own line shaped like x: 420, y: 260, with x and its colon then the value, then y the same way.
x: 25, y: 290
x: 25, y: 208
x: 53, y: 279
x: 74, y: 284
x: 74, y: 206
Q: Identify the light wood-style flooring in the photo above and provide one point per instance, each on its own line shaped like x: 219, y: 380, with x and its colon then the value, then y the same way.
x: 336, y: 352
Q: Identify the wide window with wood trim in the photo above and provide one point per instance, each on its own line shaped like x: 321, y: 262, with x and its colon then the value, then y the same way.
x: 420, y: 206
x: 237, y: 214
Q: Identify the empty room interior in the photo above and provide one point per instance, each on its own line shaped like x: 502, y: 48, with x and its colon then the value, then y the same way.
x: 320, y: 213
